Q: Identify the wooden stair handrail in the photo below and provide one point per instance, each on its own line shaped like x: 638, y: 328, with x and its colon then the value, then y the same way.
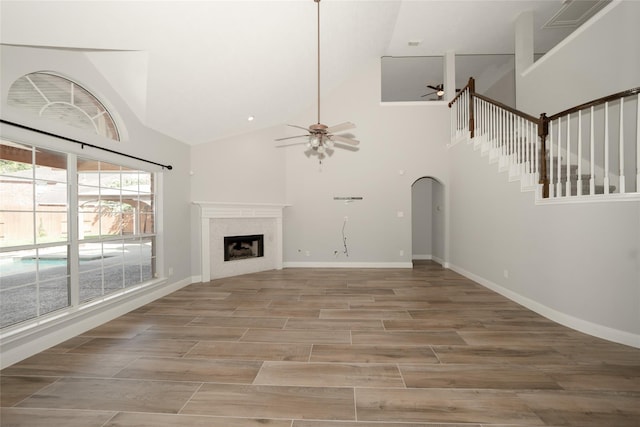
x: 542, y: 121
x: 596, y: 102
x: 509, y: 109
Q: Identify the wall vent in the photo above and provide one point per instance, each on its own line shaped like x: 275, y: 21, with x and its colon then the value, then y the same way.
x: 574, y: 13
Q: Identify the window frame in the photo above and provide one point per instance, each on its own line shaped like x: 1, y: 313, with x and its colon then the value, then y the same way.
x: 75, y: 305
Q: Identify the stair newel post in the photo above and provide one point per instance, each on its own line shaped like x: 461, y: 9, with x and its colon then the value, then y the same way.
x: 472, y: 91
x: 543, y: 131
x: 638, y: 144
x: 621, y: 148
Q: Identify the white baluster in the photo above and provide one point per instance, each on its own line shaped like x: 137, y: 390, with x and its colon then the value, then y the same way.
x: 512, y: 138
x: 460, y: 112
x: 496, y: 140
x: 592, y: 155
x: 531, y: 139
x: 521, y: 148
x: 621, y: 144
x: 579, y: 182
x: 519, y: 139
x: 559, y: 185
x: 473, y: 102
x: 568, y: 165
x: 535, y: 153
x: 606, y: 148
x: 485, y: 123
x: 466, y: 113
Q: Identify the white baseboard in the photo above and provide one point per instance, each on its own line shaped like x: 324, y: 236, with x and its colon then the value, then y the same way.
x: 440, y: 261
x: 422, y: 257
x: 593, y: 329
x: 348, y: 264
x: 17, y: 345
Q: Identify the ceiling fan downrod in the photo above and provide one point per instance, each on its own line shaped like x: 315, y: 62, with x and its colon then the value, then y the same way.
x: 318, y: 61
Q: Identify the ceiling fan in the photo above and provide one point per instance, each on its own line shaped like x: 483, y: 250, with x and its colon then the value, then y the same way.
x: 322, y: 138
x: 438, y: 90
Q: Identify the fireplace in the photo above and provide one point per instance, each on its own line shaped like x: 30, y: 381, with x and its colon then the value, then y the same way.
x: 243, y: 247
x: 219, y: 219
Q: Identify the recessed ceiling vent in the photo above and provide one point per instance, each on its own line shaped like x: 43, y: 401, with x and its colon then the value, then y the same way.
x: 574, y: 13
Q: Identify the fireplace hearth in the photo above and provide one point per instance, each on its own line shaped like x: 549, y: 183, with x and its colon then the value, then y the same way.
x: 243, y: 247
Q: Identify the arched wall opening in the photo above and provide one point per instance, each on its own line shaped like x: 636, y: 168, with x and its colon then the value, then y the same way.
x: 427, y: 220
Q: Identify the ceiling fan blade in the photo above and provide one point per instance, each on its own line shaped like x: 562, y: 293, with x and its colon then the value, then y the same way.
x: 341, y: 127
x: 436, y: 88
x: 427, y: 94
x: 299, y: 127
x: 288, y: 144
x: 347, y: 147
x: 343, y: 139
x: 291, y: 137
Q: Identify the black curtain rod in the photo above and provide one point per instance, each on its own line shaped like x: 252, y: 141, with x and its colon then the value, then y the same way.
x: 83, y: 144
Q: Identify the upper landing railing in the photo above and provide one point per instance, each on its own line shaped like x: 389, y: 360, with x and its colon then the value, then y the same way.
x: 592, y: 149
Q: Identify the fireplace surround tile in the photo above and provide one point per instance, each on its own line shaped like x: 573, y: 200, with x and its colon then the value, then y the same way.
x: 218, y: 219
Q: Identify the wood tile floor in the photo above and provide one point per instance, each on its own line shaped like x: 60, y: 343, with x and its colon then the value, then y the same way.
x: 328, y: 348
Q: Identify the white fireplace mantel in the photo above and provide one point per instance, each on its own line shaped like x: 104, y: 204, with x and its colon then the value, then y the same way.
x: 229, y: 210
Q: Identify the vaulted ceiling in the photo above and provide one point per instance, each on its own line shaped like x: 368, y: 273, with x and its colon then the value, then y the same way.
x: 196, y: 70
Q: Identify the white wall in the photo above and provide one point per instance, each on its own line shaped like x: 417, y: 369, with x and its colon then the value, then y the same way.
x: 245, y: 168
x: 578, y: 264
x: 598, y: 59
x: 439, y: 224
x: 422, y: 218
x: 400, y: 143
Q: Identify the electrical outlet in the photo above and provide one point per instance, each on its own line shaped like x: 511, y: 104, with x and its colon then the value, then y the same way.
x: 401, y: 252
x: 170, y: 271
x: 505, y: 273
x: 400, y: 214
x: 307, y: 253
x: 346, y: 218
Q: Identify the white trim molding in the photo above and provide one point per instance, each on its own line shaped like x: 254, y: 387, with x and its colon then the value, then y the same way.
x: 590, y: 328
x: 295, y: 264
x: 232, y: 210
x: 60, y: 326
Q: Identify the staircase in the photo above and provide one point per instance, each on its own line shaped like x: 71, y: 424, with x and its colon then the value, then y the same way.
x: 580, y: 154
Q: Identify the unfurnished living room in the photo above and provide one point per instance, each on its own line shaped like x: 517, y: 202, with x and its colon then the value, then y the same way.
x: 320, y: 213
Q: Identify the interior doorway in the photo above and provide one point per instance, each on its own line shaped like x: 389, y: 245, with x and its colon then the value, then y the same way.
x: 427, y: 220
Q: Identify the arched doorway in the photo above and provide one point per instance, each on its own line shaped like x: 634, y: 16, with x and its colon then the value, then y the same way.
x: 427, y: 220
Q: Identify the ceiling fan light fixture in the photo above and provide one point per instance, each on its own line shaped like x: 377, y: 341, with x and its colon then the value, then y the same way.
x: 320, y: 137
x: 440, y: 92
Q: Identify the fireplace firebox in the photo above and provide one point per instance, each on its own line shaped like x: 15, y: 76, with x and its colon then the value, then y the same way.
x: 242, y: 247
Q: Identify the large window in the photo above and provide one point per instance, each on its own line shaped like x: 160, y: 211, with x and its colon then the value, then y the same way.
x: 46, y: 264
x: 116, y: 227
x: 34, y: 267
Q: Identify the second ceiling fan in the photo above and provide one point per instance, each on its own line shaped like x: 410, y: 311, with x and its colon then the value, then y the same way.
x: 323, y: 138
x: 438, y: 90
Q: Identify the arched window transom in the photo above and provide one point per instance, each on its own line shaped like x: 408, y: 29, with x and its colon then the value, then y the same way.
x: 54, y: 97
